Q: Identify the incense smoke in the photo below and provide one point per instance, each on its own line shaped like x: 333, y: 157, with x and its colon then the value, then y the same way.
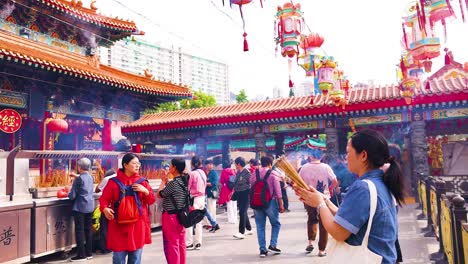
x: 7, y: 9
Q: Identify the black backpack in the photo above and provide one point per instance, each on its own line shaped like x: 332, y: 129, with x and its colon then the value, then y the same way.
x: 186, y: 217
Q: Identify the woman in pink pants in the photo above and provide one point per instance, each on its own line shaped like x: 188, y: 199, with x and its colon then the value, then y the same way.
x: 174, y: 199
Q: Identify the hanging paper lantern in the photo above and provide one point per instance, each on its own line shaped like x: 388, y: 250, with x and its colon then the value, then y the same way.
x: 326, y: 75
x: 407, y: 88
x: 309, y: 44
x: 339, y: 89
x: 57, y: 125
x: 424, y: 45
x: 439, y: 11
x: 427, y: 65
x: 289, y: 27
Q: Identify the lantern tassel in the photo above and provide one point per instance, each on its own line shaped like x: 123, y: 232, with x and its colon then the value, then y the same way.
x: 423, y: 12
x: 404, y: 35
x: 261, y: 3
x: 246, y: 44
x: 462, y: 11
x: 291, y: 84
x: 445, y: 30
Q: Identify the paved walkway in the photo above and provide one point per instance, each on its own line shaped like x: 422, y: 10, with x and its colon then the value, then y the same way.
x: 221, y: 247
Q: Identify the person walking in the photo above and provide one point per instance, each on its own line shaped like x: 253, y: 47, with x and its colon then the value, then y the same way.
x: 367, y: 151
x: 272, y: 178
x: 197, y: 188
x: 81, y: 194
x: 127, y: 239
x: 228, y: 177
x: 174, y: 199
x: 318, y: 175
x: 212, y: 194
x: 241, y: 193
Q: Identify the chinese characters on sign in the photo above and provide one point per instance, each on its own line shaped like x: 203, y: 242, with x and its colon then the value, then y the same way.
x: 6, y: 235
x: 10, y: 121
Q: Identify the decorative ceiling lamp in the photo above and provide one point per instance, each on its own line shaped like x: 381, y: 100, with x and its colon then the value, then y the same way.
x: 289, y: 24
x: 309, y: 44
x: 240, y: 3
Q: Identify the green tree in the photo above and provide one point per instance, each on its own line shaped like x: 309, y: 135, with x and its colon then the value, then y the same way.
x: 199, y: 100
x: 241, y: 97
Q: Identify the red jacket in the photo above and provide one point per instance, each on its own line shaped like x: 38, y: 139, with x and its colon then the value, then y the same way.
x: 127, y: 237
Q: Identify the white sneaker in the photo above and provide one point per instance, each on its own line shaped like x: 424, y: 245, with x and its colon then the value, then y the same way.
x: 248, y: 232
x: 239, y: 236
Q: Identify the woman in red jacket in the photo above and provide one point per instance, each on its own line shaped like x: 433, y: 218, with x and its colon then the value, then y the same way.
x: 127, y: 239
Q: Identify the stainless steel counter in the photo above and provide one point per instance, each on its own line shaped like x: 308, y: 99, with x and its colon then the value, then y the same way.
x: 15, y: 231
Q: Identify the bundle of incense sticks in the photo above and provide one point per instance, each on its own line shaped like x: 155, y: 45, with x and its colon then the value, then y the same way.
x: 283, y: 163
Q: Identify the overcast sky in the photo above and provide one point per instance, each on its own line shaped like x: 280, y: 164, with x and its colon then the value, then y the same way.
x: 363, y: 36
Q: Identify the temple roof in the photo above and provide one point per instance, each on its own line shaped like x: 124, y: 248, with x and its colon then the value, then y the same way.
x: 75, y: 8
x: 451, y: 87
x: 35, y: 54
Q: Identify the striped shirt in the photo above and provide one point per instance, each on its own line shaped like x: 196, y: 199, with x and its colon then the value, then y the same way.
x: 176, y: 190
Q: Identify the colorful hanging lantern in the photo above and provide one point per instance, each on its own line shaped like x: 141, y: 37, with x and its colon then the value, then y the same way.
x: 326, y: 72
x: 309, y: 44
x: 57, y: 125
x: 289, y: 27
x: 407, y: 88
x: 440, y: 10
x: 424, y: 45
x: 339, y: 89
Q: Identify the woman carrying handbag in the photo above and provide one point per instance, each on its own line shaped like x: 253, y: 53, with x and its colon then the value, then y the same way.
x: 365, y: 225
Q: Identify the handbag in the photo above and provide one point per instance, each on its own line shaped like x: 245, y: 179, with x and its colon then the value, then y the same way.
x: 342, y: 252
x: 233, y: 196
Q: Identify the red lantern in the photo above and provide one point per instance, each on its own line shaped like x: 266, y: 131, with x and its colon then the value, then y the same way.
x: 57, y: 125
x: 313, y: 40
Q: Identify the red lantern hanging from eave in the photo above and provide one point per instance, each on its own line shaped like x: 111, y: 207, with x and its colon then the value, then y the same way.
x: 57, y: 125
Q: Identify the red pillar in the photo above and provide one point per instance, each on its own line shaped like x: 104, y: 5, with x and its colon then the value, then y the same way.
x: 107, y: 135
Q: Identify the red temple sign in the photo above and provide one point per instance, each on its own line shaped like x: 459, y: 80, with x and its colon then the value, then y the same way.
x: 10, y: 121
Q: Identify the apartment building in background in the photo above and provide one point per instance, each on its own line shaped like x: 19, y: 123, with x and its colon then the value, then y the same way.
x: 170, y: 64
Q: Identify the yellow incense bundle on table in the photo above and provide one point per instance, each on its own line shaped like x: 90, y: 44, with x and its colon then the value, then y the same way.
x: 283, y: 163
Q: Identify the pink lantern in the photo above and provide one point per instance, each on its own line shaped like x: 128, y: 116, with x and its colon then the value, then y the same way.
x: 326, y: 75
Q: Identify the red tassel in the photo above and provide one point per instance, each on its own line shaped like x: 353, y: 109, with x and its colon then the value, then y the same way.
x: 423, y: 12
x: 466, y: 5
x: 462, y: 11
x: 246, y: 45
x: 261, y: 3
x: 291, y: 84
x: 404, y: 35
x: 445, y: 30
x: 420, y: 19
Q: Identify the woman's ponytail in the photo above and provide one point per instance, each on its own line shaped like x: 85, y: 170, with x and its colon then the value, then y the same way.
x: 394, y: 180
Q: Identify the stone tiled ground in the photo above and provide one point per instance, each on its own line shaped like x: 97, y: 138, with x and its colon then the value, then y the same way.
x: 221, y: 247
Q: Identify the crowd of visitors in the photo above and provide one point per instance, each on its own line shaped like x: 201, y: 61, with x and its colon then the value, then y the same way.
x: 352, y: 199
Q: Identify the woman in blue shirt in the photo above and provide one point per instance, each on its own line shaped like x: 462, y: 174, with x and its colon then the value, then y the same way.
x: 367, y: 151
